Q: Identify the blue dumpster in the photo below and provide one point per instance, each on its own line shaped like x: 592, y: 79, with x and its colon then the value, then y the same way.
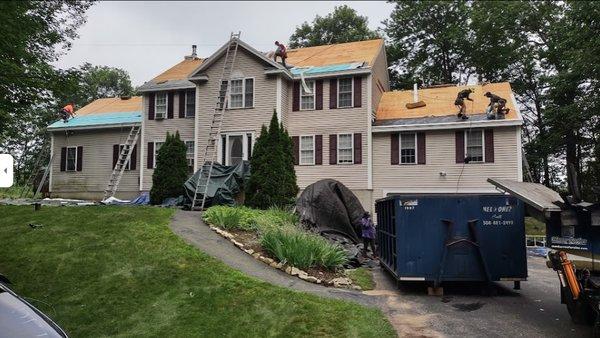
x: 452, y: 237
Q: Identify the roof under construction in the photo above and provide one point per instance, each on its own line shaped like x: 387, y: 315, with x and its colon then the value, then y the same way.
x: 439, y: 102
x: 341, y: 53
x: 175, y: 77
x: 108, y: 112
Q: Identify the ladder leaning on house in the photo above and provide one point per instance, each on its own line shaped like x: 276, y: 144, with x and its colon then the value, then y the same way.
x: 122, y: 161
x: 210, y: 151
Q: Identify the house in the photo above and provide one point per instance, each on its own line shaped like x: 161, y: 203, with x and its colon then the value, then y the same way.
x: 336, y: 105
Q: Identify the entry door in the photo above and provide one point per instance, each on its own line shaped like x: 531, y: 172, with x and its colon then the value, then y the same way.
x: 235, y: 149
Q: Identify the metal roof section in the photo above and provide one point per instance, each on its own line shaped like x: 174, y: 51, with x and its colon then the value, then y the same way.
x: 96, y: 121
x: 536, y: 195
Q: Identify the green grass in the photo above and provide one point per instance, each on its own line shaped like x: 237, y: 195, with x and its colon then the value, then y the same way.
x: 534, y: 227
x: 362, y: 277
x: 244, y: 218
x: 120, y: 271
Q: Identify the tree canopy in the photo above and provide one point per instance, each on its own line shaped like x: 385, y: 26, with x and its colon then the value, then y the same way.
x: 342, y: 25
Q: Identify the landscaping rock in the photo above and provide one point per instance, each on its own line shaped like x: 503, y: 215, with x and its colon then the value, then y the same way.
x: 238, y: 244
x: 356, y: 287
x: 256, y: 255
x: 295, y: 271
x: 267, y: 260
x: 288, y: 270
x: 341, y: 281
x: 249, y: 251
x: 303, y: 275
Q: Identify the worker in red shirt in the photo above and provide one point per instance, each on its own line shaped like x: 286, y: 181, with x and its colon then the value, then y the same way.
x: 67, y: 112
x: 281, y: 52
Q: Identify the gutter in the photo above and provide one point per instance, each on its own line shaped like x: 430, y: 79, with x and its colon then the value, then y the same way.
x: 98, y: 126
x: 359, y: 71
x: 158, y: 88
x: 447, y: 125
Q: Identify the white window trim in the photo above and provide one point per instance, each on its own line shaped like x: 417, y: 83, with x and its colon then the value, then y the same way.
x: 156, y: 106
x: 128, y: 167
x: 351, y: 147
x: 351, y: 92
x: 185, y: 106
x: 300, y: 150
x: 243, y: 93
x: 400, y: 150
x: 482, y: 145
x: 190, y: 157
x: 244, y: 135
x: 156, y: 153
x: 67, y: 159
x: 313, y: 94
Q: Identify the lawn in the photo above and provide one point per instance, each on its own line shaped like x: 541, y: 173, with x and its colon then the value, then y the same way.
x: 106, y: 271
x: 534, y: 227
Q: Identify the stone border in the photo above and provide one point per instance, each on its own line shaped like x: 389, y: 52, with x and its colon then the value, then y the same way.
x: 340, y: 282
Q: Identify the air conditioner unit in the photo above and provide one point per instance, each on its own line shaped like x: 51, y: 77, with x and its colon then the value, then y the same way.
x: 159, y: 116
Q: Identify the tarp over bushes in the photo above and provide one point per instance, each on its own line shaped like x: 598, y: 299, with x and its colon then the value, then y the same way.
x: 225, y: 183
x: 332, y: 208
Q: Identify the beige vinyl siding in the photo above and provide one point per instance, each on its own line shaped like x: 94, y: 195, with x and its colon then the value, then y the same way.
x: 242, y: 119
x: 331, y: 121
x: 156, y: 131
x: 90, y: 182
x: 440, y: 151
x: 380, y: 75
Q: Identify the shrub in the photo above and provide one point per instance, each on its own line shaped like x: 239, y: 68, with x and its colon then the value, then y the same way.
x: 171, y: 170
x: 244, y: 218
x: 301, y: 249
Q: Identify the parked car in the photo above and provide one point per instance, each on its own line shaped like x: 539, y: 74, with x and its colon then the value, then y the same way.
x: 18, y: 318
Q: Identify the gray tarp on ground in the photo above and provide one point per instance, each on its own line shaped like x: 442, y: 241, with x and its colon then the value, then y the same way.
x: 225, y: 183
x: 332, y: 208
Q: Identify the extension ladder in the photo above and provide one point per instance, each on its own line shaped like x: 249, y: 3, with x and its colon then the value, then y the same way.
x: 210, y: 151
x: 123, y: 160
x: 37, y: 166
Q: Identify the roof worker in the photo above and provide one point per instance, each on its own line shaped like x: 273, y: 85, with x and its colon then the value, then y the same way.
x: 460, y: 102
x: 281, y: 52
x: 67, y: 112
x: 497, y: 107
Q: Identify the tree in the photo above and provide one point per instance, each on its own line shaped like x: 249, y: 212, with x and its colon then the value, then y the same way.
x: 428, y: 43
x: 97, y: 82
x: 272, y: 179
x: 171, y: 170
x: 342, y: 25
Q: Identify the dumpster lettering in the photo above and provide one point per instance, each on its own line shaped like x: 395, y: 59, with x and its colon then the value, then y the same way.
x: 497, y: 215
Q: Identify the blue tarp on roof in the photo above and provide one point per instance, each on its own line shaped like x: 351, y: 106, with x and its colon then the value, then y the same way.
x: 325, y: 69
x: 106, y: 119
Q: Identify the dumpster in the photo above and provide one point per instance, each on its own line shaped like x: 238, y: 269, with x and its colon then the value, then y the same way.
x: 439, y: 238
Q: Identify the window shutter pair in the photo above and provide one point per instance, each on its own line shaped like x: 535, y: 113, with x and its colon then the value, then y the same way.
x: 318, y: 149
x: 357, y: 92
x: 357, y: 149
x: 150, y: 156
x: 318, y: 95
x: 117, y: 153
x: 488, y: 141
x: 181, y: 96
x: 395, y: 148
x: 63, y: 159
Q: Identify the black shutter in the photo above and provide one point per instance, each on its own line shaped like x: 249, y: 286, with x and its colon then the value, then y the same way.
x: 296, y: 96
x: 333, y: 149
x: 63, y: 158
x: 79, y: 158
x: 489, y: 145
x: 318, y: 149
x: 357, y: 91
x: 150, y: 156
x: 459, y: 136
x: 421, y: 148
x: 358, y: 148
x: 181, y: 95
x: 332, y: 93
x: 115, y: 155
x: 249, y: 93
x: 133, y: 159
x: 170, y: 105
x: 395, y: 148
x: 296, y: 143
x: 319, y: 95
x: 151, y: 106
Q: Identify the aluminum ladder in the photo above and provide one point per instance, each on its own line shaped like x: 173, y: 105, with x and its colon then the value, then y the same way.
x: 29, y: 184
x: 210, y: 151
x: 124, y: 157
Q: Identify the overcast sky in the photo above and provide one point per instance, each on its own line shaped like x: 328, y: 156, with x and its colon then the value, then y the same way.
x: 146, y: 38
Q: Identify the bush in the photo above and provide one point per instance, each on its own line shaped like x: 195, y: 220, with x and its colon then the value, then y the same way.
x: 302, y: 249
x: 244, y: 218
x: 171, y: 170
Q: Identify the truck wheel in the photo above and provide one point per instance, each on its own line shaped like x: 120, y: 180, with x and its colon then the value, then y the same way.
x: 581, y: 313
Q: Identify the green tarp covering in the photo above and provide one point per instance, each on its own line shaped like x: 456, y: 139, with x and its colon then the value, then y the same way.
x: 225, y: 183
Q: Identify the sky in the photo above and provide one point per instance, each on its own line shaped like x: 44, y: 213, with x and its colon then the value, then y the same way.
x: 146, y: 38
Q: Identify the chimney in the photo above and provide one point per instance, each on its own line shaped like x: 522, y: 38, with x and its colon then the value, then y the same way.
x: 193, y: 56
x: 415, y: 93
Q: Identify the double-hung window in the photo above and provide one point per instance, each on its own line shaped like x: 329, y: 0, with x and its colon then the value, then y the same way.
x: 474, y: 145
x: 189, y: 153
x: 160, y: 105
x: 157, y: 146
x: 408, y: 148
x: 345, y: 93
x: 128, y: 166
x: 241, y: 93
x: 307, y: 150
x: 190, y: 103
x: 307, y: 99
x: 345, y: 149
x: 71, y: 159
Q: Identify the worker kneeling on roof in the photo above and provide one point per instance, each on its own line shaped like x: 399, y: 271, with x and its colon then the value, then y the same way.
x: 67, y: 112
x: 281, y: 52
x: 497, y: 107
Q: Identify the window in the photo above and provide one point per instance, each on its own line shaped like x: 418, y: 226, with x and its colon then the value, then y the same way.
x: 241, y: 93
x: 345, y: 93
x: 161, y: 105
x: 190, y: 103
x: 157, y: 146
x: 345, y: 149
x: 235, y: 147
x: 307, y: 100
x: 474, y: 145
x: 128, y: 166
x: 71, y: 159
x: 408, y: 148
x: 189, y: 153
x: 307, y: 150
